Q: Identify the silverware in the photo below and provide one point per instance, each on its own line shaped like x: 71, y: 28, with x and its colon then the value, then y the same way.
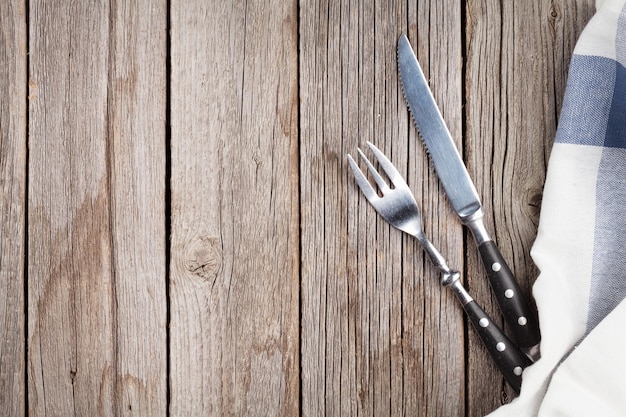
x: 464, y: 199
x: 398, y: 207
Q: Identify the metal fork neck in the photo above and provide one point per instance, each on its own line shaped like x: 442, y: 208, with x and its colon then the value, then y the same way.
x: 448, y: 276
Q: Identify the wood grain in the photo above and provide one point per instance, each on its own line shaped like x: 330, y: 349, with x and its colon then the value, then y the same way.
x: 96, y: 230
x: 12, y: 206
x: 379, y: 335
x: 234, y: 186
x: 517, y: 59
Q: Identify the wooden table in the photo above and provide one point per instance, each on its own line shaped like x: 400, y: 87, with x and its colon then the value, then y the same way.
x: 180, y: 234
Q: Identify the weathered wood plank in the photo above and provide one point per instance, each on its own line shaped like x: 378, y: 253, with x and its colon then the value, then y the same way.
x: 437, y: 39
x: 379, y: 335
x: 96, y: 267
x: 517, y: 59
x: 12, y: 205
x: 71, y: 319
x: 234, y: 191
x: 137, y: 153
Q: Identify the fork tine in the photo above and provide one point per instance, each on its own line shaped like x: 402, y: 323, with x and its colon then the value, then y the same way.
x: 391, y: 171
x: 384, y: 187
x: 362, y: 181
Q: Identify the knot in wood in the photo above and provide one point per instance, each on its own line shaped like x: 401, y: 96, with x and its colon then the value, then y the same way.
x: 204, y: 257
x: 534, y: 199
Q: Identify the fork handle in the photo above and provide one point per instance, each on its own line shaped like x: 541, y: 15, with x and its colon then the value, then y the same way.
x: 510, y: 360
x: 514, y: 306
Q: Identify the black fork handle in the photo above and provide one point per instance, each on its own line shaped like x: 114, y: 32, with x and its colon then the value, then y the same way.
x: 507, y: 356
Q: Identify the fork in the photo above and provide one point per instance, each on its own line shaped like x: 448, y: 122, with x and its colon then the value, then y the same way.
x: 398, y: 207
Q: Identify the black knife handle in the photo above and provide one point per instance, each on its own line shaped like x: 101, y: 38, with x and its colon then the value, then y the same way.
x: 515, y: 308
x: 509, y: 359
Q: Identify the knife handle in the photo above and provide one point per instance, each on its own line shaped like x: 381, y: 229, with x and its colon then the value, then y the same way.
x: 515, y: 308
x: 509, y: 359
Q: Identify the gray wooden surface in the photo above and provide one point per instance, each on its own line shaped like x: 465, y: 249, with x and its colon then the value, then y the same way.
x: 179, y: 231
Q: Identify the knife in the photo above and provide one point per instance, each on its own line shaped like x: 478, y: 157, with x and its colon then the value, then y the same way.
x: 464, y: 199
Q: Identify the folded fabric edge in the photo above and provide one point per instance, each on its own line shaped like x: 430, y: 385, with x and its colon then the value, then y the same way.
x: 563, y: 253
x: 590, y: 381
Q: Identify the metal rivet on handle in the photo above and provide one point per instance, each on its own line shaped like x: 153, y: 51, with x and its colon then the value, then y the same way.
x: 517, y: 370
x: 496, y: 267
x: 522, y: 321
x: 483, y: 322
x: 509, y: 293
x: 500, y: 346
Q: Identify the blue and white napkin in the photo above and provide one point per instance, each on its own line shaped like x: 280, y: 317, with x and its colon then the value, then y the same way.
x: 580, y: 248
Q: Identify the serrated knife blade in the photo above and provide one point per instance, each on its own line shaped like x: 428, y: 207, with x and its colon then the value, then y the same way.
x: 436, y: 136
x: 464, y: 199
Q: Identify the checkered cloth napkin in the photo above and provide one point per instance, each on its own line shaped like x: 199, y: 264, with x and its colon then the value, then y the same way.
x: 581, y: 243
